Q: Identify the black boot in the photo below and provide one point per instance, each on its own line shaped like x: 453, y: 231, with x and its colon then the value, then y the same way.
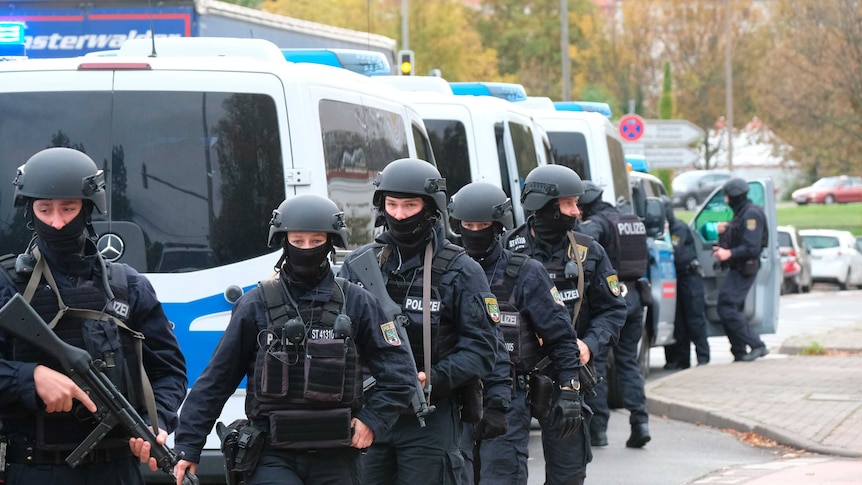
x: 639, y: 437
x: 599, y: 438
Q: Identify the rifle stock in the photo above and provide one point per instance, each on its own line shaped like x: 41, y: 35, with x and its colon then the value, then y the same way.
x: 367, y: 270
x: 18, y: 318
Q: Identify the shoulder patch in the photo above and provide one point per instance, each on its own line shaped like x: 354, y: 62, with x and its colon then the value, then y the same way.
x: 390, y: 334
x: 614, y: 284
x: 493, y: 309
x: 556, y: 295
x: 582, y: 252
x: 751, y: 224
x: 675, y: 240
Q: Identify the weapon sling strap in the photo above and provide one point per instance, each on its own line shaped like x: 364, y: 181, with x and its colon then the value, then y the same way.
x: 513, y: 269
x: 426, y: 316
x: 30, y: 290
x: 573, y: 246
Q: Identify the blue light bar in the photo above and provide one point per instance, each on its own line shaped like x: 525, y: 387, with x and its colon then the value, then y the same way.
x: 638, y: 163
x: 507, y: 91
x: 12, y: 39
x: 368, y: 63
x: 595, y: 107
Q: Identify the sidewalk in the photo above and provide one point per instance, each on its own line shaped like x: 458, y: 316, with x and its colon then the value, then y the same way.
x: 806, y: 402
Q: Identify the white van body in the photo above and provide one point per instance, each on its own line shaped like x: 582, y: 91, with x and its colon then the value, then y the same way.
x: 591, y: 146
x: 482, y: 138
x: 197, y: 152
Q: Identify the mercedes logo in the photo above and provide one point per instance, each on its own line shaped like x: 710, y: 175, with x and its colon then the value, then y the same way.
x: 111, y: 247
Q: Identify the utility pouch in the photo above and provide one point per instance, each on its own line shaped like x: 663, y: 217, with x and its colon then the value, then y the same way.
x: 325, y: 366
x: 274, y: 380
x: 471, y: 402
x: 300, y: 429
x: 249, y: 444
x: 644, y: 288
x: 541, y: 394
x: 750, y: 267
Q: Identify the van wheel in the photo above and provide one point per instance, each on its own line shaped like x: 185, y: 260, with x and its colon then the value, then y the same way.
x: 690, y: 203
x: 844, y: 285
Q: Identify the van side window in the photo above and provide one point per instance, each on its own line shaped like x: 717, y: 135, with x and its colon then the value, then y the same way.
x: 449, y: 145
x: 422, y: 144
x: 618, y: 169
x: 358, y: 141
x: 525, y: 149
x: 499, y: 138
x: 210, y: 210
x: 570, y: 150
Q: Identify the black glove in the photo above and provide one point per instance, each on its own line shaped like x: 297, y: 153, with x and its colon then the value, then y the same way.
x: 492, y: 425
x: 566, y: 413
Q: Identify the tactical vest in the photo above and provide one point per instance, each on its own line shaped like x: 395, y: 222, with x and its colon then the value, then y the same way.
x: 444, y: 334
x: 103, y: 339
x: 322, y: 372
x: 628, y: 244
x: 518, y: 331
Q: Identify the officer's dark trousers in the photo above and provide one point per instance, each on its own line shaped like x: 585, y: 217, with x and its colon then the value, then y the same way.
x: 566, y: 458
x: 731, y: 303
x: 502, y: 460
x: 409, y: 455
x: 331, y: 466
x: 628, y: 370
x: 690, y: 320
x: 125, y: 471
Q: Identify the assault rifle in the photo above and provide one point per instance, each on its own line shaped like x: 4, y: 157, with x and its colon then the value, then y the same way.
x: 18, y: 318
x: 367, y: 270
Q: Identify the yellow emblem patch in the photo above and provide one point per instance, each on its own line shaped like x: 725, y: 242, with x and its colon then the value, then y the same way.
x: 390, y: 334
x: 675, y: 240
x: 493, y: 309
x: 557, y: 297
x: 614, y: 284
x: 582, y: 252
x: 751, y: 224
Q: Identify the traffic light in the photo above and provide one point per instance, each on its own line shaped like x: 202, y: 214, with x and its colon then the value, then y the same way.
x: 405, y: 63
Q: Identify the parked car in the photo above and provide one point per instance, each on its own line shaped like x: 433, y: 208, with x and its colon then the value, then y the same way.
x: 829, y: 190
x: 795, y: 260
x: 691, y: 188
x: 834, y: 257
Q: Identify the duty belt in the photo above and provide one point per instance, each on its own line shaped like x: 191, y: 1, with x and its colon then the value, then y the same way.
x: 521, y: 381
x: 19, y: 453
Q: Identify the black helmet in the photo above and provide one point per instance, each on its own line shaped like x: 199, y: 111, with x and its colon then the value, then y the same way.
x: 735, y: 187
x: 60, y: 173
x: 592, y: 193
x: 550, y: 182
x: 311, y: 213
x: 411, y: 176
x: 480, y: 202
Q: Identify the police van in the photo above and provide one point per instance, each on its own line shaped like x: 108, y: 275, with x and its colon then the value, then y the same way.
x: 480, y: 138
x: 198, y: 150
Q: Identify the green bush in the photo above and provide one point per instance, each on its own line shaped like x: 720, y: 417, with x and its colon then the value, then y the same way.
x: 845, y: 217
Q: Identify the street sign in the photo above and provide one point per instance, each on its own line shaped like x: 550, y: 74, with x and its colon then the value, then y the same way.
x: 670, y: 133
x: 631, y: 127
x: 670, y: 157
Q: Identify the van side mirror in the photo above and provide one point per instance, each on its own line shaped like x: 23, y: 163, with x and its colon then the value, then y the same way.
x: 655, y: 217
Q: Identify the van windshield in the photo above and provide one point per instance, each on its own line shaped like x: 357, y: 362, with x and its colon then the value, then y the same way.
x: 196, y: 174
x: 570, y: 150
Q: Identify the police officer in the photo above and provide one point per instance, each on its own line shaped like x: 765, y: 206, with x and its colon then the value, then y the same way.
x: 410, y: 200
x: 690, y: 321
x: 531, y: 309
x: 572, y: 260
x: 94, y: 304
x: 625, y: 242
x: 740, y: 243
x: 302, y: 338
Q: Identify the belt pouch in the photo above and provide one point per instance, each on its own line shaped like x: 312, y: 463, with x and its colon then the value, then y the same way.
x: 325, y: 366
x: 750, y: 267
x: 471, y: 401
x: 275, y: 376
x: 298, y: 429
x: 541, y: 392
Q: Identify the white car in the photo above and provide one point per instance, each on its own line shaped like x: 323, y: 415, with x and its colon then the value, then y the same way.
x: 834, y: 257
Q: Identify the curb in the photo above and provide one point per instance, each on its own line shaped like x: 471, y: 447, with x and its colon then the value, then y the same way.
x: 679, y: 411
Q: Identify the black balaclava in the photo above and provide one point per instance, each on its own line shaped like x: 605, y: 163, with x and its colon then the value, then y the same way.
x: 479, y: 244
x: 736, y: 203
x: 413, y: 232
x: 306, y: 266
x: 550, y: 225
x: 70, y: 238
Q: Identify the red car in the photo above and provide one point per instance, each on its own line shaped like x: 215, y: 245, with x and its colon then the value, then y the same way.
x: 829, y: 190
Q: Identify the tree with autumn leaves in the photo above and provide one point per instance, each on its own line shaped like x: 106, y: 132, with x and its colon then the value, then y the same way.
x: 797, y: 64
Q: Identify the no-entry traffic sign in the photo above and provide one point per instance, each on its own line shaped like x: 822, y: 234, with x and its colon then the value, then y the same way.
x: 631, y: 127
